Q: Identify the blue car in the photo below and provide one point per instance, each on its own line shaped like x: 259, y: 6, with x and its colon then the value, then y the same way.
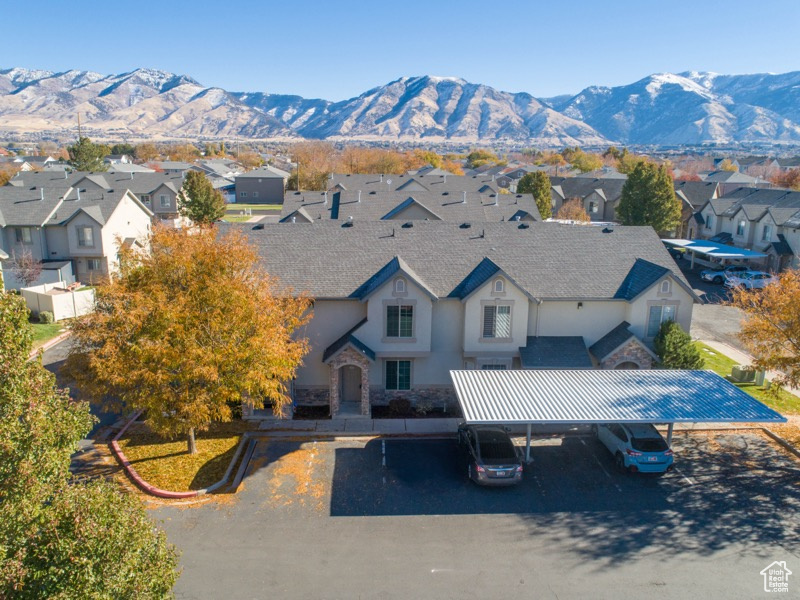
x: 636, y: 447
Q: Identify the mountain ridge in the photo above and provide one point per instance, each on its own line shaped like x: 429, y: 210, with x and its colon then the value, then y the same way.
x: 691, y: 107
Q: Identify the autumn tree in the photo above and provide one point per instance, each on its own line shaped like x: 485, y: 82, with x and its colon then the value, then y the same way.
x: 648, y: 198
x: 727, y: 165
x: 189, y: 330
x: 770, y: 330
x: 538, y: 184
x: 787, y: 179
x: 199, y: 201
x: 675, y: 348
x: 572, y: 210
x: 57, y: 535
x: 585, y: 162
x: 183, y: 153
x: 88, y: 156
x: 478, y: 158
x: 146, y: 152
x: 7, y: 172
x: 25, y: 267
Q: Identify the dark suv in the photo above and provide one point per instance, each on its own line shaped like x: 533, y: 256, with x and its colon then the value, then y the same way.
x: 490, y: 455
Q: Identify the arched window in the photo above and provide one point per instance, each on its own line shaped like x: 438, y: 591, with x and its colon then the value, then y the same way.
x: 399, y: 286
x: 665, y: 286
x: 499, y: 286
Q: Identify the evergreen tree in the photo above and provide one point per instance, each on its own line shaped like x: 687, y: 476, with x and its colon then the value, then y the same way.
x: 87, y: 156
x: 538, y: 184
x: 648, y: 198
x: 199, y: 201
x: 675, y: 348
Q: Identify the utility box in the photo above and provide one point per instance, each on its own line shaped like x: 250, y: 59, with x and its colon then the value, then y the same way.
x: 741, y: 374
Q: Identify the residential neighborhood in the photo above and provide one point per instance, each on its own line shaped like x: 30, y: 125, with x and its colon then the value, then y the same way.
x: 344, y: 318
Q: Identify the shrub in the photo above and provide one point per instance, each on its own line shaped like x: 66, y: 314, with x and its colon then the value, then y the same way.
x: 424, y: 407
x: 675, y: 348
x: 46, y: 317
x: 399, y: 406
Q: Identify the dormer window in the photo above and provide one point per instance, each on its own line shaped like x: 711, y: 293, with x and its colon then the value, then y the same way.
x: 499, y: 286
x: 399, y: 286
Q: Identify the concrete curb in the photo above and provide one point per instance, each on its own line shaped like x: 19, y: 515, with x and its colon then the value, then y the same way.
x: 50, y: 343
x: 781, y: 442
x: 154, y: 491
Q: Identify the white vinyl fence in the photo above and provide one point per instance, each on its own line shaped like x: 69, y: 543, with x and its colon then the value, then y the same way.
x: 55, y: 298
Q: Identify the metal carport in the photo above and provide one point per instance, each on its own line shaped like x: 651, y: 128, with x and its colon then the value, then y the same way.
x: 604, y: 396
x: 711, y: 249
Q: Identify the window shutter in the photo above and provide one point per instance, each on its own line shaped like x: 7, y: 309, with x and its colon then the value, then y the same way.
x: 488, y: 321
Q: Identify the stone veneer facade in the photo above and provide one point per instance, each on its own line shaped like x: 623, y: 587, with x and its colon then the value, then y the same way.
x: 349, y: 356
x: 631, y: 351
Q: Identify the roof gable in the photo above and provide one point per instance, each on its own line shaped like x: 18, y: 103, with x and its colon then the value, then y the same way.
x: 394, y: 267
x: 412, y: 185
x: 642, y: 276
x: 409, y: 205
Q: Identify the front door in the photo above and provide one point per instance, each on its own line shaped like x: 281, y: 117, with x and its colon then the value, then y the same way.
x: 351, y: 384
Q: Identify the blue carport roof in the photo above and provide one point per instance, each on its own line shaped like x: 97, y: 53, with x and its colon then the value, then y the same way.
x: 605, y: 396
x: 714, y: 249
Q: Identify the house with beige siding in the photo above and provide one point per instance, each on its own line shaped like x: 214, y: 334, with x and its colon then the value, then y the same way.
x: 76, y: 235
x: 397, y: 308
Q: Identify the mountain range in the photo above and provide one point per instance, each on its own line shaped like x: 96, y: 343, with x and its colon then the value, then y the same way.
x: 662, y: 109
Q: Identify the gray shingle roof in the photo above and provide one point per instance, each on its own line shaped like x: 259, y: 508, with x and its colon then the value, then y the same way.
x: 383, y: 205
x: 265, y: 172
x: 696, y: 193
x: 434, y: 183
x: 580, y: 187
x: 545, y: 260
x: 554, y: 352
x: 24, y: 206
x: 389, y: 270
x: 611, y: 341
x: 138, y: 183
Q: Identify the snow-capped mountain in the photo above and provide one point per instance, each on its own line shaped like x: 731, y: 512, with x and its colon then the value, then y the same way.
x: 662, y: 109
x: 693, y: 108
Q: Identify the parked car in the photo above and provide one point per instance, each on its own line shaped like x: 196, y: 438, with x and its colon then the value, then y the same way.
x: 750, y: 280
x: 490, y: 455
x: 720, y: 275
x: 636, y: 447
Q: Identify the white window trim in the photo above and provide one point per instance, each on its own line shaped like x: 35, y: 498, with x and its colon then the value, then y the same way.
x: 661, y: 303
x: 81, y: 229
x: 397, y: 339
x: 490, y: 340
x: 19, y: 235
x: 163, y: 200
x: 410, y: 362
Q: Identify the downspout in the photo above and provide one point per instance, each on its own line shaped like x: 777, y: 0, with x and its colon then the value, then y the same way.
x: 538, y: 308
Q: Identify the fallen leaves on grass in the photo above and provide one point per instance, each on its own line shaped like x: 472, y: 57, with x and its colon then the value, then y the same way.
x: 166, y: 464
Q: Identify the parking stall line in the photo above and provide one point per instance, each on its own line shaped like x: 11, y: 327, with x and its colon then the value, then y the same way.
x: 686, y: 478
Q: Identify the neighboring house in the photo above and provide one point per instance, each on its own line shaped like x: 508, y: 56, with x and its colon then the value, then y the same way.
x: 693, y: 195
x: 265, y: 185
x: 600, y: 197
x: 788, y: 163
x: 129, y: 168
x: 446, y: 182
x: 306, y: 207
x: 157, y: 191
x: 174, y: 167
x: 764, y: 220
x: 731, y: 180
x: 395, y: 309
x: 117, y: 159
x: 58, y: 225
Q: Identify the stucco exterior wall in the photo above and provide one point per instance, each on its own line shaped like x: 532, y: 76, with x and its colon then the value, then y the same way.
x: 270, y: 190
x: 474, y: 342
x: 57, y: 242
x: 592, y: 321
x: 638, y: 310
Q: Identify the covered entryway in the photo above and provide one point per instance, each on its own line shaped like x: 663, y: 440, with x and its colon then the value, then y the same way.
x: 604, y: 396
x: 350, y: 389
x: 349, y: 359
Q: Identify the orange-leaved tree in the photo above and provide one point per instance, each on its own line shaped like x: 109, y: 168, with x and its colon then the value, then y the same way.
x: 188, y: 331
x: 771, y: 326
x: 572, y: 210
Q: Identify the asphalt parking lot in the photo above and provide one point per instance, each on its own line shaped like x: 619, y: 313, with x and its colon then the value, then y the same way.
x: 399, y: 519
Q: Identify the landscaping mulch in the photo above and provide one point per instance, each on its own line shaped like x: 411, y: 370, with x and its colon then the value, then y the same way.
x: 385, y: 412
x: 311, y: 413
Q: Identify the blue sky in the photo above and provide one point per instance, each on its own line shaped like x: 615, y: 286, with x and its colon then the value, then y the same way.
x: 339, y: 48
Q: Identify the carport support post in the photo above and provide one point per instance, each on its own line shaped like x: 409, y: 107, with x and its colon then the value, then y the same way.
x: 528, y: 444
x: 669, y: 434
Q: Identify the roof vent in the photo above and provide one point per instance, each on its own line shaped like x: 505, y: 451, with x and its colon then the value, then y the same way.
x: 445, y: 193
x: 523, y: 226
x: 372, y: 193
x: 465, y: 226
x: 519, y: 195
x: 407, y: 225
x: 297, y: 193
x: 258, y: 227
x: 607, y: 230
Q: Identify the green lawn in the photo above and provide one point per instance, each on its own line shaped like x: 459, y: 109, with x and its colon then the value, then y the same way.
x: 42, y: 333
x: 785, y: 403
x: 230, y: 218
x: 236, y: 207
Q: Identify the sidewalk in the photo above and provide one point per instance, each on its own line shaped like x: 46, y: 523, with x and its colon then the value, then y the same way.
x: 361, y: 426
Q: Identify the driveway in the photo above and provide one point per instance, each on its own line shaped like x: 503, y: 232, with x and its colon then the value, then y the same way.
x: 398, y: 519
x: 712, y: 320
